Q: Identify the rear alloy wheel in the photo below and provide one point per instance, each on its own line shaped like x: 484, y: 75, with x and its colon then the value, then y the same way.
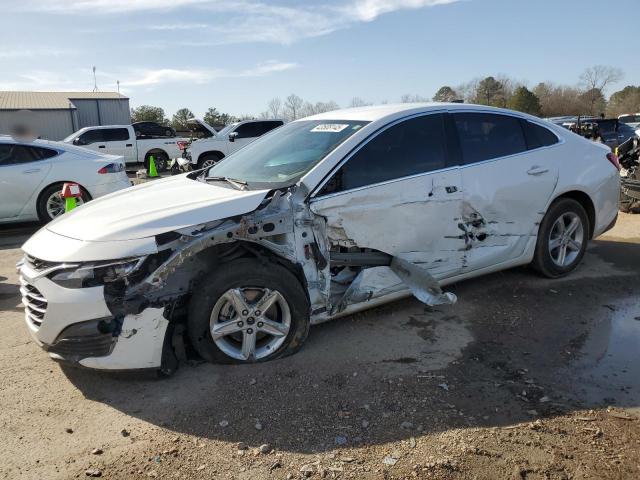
x: 252, y: 313
x: 52, y: 205
x: 562, y: 239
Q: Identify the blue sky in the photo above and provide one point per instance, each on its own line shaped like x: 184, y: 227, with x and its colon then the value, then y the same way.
x: 236, y: 55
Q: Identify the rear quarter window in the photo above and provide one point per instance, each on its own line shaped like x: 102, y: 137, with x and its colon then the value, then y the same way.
x: 538, y: 136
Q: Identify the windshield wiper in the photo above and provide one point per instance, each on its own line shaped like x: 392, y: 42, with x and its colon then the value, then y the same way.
x: 239, y: 184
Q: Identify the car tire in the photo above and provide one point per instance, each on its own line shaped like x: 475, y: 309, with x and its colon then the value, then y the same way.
x: 562, y: 239
x: 252, y: 281
x: 169, y: 133
x: 50, y: 201
x: 209, y: 160
x: 160, y: 159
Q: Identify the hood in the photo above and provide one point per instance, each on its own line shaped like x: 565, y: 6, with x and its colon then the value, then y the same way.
x: 153, y: 208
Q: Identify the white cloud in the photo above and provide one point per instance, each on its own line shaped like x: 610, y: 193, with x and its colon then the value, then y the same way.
x: 21, y: 52
x: 176, y: 26
x: 133, y: 79
x: 244, y: 21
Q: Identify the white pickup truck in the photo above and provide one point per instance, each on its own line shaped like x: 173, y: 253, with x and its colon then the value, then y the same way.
x: 209, y: 151
x: 121, y: 140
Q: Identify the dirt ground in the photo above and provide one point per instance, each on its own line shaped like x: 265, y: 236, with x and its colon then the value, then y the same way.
x: 524, y: 378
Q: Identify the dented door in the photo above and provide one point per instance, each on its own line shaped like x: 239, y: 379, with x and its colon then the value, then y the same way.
x: 505, y: 197
x: 413, y: 217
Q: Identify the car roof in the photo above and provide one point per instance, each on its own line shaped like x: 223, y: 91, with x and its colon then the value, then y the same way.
x: 379, y: 112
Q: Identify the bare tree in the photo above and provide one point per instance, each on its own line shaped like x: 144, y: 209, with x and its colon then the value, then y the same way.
x: 357, y: 102
x: 408, y: 98
x: 600, y: 77
x: 292, y: 106
x: 274, y: 108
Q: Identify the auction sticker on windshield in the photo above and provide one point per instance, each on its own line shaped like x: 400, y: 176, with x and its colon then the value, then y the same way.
x: 330, y: 127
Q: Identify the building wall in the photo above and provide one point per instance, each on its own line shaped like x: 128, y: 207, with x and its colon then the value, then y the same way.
x: 48, y: 124
x: 102, y: 112
x: 58, y: 124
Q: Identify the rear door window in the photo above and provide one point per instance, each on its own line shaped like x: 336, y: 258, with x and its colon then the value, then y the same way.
x: 484, y: 136
x: 115, y: 134
x: 264, y: 127
x: 408, y: 148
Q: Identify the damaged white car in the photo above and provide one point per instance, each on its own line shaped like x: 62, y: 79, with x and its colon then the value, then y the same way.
x: 320, y: 218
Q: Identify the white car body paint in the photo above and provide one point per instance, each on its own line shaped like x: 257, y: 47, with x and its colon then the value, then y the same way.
x: 451, y: 224
x: 220, y: 143
x: 134, y: 151
x: 139, y: 344
x: 21, y: 184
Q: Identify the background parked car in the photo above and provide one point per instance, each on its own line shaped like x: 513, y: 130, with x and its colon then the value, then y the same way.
x: 32, y: 174
x: 209, y: 151
x: 121, y: 140
x: 633, y: 120
x: 152, y: 129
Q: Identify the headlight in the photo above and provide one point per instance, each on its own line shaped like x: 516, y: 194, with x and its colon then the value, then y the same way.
x: 97, y: 273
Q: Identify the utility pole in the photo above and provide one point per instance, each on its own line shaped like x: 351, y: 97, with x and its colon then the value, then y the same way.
x: 95, y: 82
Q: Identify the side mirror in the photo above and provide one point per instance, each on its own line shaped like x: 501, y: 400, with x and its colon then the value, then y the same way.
x: 232, y: 136
x: 77, y: 141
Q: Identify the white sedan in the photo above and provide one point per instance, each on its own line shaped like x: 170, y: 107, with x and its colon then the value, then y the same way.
x: 320, y: 218
x: 32, y: 174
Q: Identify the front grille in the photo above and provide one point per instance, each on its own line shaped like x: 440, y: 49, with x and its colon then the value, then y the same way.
x: 38, y: 264
x: 35, y: 305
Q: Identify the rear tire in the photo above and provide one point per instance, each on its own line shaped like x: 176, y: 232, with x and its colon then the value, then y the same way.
x: 212, y: 304
x: 50, y: 202
x: 160, y: 159
x: 562, y: 239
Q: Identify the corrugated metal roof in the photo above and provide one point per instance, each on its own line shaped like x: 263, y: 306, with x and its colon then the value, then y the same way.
x: 50, y: 100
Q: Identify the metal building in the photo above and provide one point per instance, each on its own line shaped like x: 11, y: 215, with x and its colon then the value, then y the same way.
x: 55, y: 115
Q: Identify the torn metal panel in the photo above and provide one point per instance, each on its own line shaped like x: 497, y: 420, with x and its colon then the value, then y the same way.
x: 423, y: 286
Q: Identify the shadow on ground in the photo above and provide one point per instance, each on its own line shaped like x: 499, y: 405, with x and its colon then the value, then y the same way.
x: 516, y: 347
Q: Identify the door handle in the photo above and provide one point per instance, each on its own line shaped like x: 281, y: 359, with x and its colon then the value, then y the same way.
x: 451, y: 189
x: 101, y: 146
x: 129, y: 145
x: 33, y: 170
x: 536, y: 170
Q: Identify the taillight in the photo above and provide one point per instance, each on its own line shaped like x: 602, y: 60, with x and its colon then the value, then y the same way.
x: 612, y: 157
x: 112, y: 168
x: 182, y: 145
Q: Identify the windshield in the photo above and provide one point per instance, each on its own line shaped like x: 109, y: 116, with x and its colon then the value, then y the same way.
x: 629, y: 118
x: 282, y: 157
x: 225, y: 131
x: 70, y: 137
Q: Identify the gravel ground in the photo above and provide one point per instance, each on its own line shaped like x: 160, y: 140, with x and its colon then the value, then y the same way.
x: 523, y: 378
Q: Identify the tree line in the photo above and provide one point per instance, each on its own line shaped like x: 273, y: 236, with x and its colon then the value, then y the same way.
x: 546, y: 99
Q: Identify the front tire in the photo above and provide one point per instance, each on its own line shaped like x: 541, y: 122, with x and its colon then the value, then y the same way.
x: 562, y: 239
x: 209, y: 160
x: 248, y: 311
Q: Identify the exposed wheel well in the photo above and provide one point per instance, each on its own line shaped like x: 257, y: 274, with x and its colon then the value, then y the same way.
x: 212, y: 153
x: 155, y: 151
x: 228, y: 252
x: 84, y: 190
x: 586, y: 202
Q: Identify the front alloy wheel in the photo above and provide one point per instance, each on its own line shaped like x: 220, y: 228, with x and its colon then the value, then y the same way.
x: 250, y: 323
x: 248, y: 311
